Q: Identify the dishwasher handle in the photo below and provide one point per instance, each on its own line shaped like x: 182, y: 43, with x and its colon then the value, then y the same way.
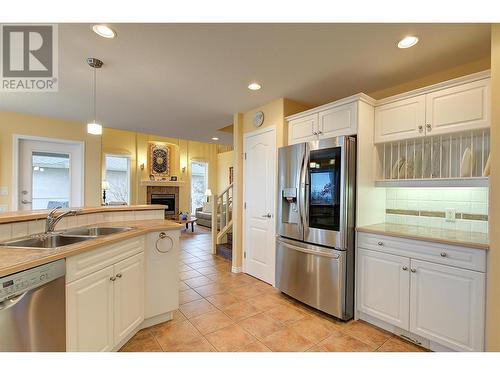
x: 12, y: 301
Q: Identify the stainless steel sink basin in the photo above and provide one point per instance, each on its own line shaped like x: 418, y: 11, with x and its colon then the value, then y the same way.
x: 49, y: 242
x: 94, y: 231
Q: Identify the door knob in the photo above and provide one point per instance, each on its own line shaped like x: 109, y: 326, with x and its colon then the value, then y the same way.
x: 24, y: 201
x: 267, y: 216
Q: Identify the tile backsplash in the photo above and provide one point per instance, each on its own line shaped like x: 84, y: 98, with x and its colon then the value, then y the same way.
x: 427, y: 207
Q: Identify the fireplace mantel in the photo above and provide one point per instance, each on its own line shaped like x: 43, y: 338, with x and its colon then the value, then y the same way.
x: 162, y: 183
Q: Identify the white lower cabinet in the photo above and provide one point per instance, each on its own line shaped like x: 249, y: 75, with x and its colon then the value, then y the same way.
x: 436, y: 301
x: 105, y: 306
x: 447, y: 305
x: 384, y: 287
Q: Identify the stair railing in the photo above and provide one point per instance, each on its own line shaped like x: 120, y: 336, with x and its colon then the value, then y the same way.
x: 222, y: 216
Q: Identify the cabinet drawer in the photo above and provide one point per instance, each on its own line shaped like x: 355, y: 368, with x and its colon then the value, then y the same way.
x: 92, y: 261
x: 457, y: 256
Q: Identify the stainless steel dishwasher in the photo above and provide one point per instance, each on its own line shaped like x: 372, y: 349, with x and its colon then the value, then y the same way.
x: 33, y: 309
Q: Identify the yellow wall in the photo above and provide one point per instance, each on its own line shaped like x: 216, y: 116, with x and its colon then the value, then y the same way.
x: 22, y: 124
x: 455, y: 72
x: 224, y: 162
x: 493, y: 274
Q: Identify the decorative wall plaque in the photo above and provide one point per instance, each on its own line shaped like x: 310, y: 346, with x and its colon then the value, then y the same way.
x: 159, y: 160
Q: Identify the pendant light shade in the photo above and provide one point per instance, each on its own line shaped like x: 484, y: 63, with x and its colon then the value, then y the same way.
x: 94, y: 127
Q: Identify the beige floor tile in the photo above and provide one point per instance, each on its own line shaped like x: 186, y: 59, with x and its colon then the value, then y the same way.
x: 200, y: 264
x: 254, y: 347
x: 191, y: 260
x: 287, y: 340
x: 286, y: 314
x: 313, y: 329
x: 229, y: 338
x: 260, y: 325
x: 184, y: 267
x: 210, y: 270
x: 240, y: 310
x: 341, y: 342
x: 210, y: 289
x: 196, y: 282
x: 211, y: 322
x: 245, y: 291
x: 265, y: 302
x: 195, y: 308
x: 177, y: 337
x: 396, y: 344
x: 222, y: 300
x: 177, y: 317
x: 185, y: 275
x: 183, y: 286
x: 144, y: 343
x: 188, y: 296
x: 367, y: 333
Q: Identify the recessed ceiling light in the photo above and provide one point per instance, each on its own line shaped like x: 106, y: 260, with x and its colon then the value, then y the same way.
x: 254, y: 86
x: 215, y: 138
x: 104, y: 31
x: 408, y: 41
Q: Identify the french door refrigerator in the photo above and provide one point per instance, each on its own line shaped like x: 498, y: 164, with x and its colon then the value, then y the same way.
x: 315, y: 224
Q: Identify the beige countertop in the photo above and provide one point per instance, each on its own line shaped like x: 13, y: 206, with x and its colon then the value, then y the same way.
x: 15, y: 260
x: 16, y: 216
x: 445, y: 236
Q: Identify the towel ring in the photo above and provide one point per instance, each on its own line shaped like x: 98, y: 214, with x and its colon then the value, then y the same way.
x: 163, y: 236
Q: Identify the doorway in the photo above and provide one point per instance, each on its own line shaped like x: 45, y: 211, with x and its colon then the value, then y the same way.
x: 49, y: 173
x: 259, y: 197
x: 199, y: 184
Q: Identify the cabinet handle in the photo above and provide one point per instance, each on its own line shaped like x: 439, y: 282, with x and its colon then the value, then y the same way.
x: 413, y: 270
x: 443, y: 254
x: 420, y: 128
x: 428, y: 127
x: 320, y: 132
x: 112, y: 278
x: 119, y: 275
x: 380, y: 243
x: 315, y: 133
x: 405, y: 268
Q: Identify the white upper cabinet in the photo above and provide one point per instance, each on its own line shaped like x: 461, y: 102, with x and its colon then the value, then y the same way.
x: 338, y: 121
x: 447, y: 305
x: 384, y: 287
x: 303, y: 129
x: 400, y: 120
x: 464, y: 107
x: 458, y: 105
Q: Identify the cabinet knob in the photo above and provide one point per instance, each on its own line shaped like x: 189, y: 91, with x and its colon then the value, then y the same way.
x: 320, y: 132
x: 443, y: 254
x: 405, y: 268
x: 420, y: 128
x: 315, y: 133
x: 119, y: 275
x: 380, y: 243
x: 428, y: 127
x: 413, y: 270
x: 112, y: 278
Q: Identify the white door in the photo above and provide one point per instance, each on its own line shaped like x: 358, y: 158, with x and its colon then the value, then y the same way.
x: 50, y: 174
x: 89, y: 318
x: 458, y: 108
x: 400, y: 120
x: 338, y: 121
x: 259, y: 191
x: 384, y: 287
x: 447, y: 305
x: 303, y: 129
x: 128, y: 296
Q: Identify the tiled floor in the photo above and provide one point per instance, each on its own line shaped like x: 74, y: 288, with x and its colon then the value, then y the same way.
x: 222, y: 311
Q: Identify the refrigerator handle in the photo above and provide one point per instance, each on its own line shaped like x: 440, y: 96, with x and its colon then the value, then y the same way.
x: 303, y: 189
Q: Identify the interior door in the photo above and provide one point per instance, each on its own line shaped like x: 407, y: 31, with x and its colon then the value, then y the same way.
x: 50, y: 175
x: 259, y: 192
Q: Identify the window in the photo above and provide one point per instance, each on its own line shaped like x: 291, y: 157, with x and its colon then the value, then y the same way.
x: 118, y: 178
x: 50, y: 180
x: 199, y: 184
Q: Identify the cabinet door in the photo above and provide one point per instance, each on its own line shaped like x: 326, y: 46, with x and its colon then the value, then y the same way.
x: 90, y: 312
x: 447, y: 305
x: 400, y: 120
x: 384, y: 287
x: 303, y: 129
x: 464, y: 107
x: 129, y: 295
x: 338, y: 121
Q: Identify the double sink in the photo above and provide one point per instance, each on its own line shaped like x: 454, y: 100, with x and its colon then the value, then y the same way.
x: 60, y: 239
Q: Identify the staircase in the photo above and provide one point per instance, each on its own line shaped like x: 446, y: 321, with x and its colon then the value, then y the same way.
x: 222, y: 223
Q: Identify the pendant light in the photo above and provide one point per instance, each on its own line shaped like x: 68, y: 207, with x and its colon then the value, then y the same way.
x: 94, y: 127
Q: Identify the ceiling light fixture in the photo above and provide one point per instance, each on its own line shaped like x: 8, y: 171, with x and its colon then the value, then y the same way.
x: 254, y: 86
x: 408, y: 41
x: 104, y: 31
x: 94, y: 127
x: 215, y: 138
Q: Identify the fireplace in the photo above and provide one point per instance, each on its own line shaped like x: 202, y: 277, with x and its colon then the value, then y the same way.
x: 166, y: 195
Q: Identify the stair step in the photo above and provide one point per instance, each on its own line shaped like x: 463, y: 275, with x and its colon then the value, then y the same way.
x: 225, y: 250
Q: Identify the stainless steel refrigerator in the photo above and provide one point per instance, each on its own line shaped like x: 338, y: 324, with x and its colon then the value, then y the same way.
x: 315, y: 224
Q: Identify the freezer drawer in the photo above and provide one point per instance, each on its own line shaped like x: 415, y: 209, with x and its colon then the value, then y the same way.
x: 315, y: 276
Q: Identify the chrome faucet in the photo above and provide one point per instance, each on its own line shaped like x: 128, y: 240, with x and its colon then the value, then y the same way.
x: 53, y: 219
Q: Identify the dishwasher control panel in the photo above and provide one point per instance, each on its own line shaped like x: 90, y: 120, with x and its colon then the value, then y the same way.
x: 18, y: 283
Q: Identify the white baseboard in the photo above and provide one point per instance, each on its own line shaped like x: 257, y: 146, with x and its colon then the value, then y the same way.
x: 236, y: 269
x: 156, y: 320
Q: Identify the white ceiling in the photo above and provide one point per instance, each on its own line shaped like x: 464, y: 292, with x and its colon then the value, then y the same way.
x: 186, y: 80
